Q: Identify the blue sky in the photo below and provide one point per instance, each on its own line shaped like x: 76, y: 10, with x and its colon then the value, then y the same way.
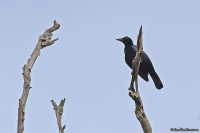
x: 86, y: 65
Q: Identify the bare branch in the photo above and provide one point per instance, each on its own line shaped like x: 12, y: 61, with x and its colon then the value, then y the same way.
x: 139, y: 110
x: 43, y: 41
x: 59, y: 112
x: 53, y: 28
x: 46, y: 37
x: 136, y: 62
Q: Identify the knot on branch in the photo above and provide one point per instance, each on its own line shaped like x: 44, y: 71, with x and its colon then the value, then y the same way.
x: 63, y: 128
x: 60, y: 112
x: 46, y: 40
x: 46, y: 37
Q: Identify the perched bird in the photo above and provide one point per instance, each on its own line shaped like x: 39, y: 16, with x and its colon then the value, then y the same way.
x: 146, y: 67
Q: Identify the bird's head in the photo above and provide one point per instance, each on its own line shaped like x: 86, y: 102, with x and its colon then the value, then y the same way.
x: 126, y: 40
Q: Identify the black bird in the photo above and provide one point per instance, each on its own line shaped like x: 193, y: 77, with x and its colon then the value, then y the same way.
x: 146, y: 67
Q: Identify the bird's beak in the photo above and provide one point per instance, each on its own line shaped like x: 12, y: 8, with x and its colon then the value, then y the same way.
x: 120, y: 39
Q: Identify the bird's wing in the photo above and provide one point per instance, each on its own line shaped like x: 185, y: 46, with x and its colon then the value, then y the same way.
x: 146, y: 60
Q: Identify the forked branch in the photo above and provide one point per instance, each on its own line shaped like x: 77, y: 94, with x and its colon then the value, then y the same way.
x: 59, y: 112
x: 44, y: 41
x: 139, y: 110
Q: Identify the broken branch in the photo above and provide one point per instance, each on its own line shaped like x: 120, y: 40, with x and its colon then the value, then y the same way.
x: 44, y: 40
x: 139, y: 110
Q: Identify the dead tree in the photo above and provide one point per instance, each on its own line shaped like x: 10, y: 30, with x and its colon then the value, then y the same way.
x: 44, y: 41
x: 139, y: 110
x: 59, y: 112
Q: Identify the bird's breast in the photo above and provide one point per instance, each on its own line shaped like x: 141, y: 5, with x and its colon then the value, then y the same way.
x: 129, y: 55
x: 129, y: 52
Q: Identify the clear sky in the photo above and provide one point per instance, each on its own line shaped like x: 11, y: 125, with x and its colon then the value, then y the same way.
x: 86, y: 65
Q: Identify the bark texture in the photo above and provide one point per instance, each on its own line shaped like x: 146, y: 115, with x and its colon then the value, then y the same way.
x: 44, y: 41
x: 59, y: 112
x: 134, y: 94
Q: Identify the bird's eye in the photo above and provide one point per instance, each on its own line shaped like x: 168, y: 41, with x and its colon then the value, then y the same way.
x: 125, y: 37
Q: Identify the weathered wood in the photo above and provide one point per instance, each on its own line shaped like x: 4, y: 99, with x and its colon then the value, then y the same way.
x: 59, y: 112
x: 134, y: 94
x: 44, y: 41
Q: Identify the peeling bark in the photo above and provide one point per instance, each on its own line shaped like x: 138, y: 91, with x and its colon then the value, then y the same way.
x: 44, y: 41
x: 59, y: 112
x: 134, y: 94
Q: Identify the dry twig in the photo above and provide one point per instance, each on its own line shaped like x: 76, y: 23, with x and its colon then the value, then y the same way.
x: 44, y: 41
x: 59, y: 112
x: 139, y: 110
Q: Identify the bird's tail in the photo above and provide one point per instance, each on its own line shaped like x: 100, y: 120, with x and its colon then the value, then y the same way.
x: 156, y: 79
